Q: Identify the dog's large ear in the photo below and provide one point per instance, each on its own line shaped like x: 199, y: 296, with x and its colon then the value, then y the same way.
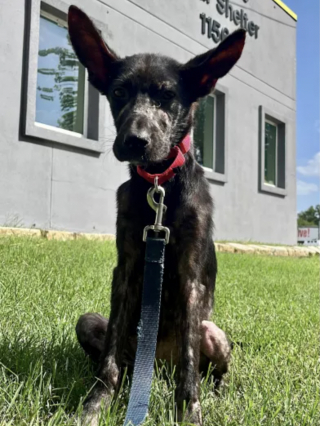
x: 90, y: 48
x: 202, y: 72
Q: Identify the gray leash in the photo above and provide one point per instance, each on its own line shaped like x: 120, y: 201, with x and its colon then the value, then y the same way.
x: 150, y: 312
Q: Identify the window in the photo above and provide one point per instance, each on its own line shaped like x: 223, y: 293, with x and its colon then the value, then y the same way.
x: 272, y: 153
x: 209, y: 136
x: 61, y: 106
x: 60, y: 79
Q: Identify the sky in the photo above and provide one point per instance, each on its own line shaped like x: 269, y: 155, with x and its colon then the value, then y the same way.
x: 308, y: 94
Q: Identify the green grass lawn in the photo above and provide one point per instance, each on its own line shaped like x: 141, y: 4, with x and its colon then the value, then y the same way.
x: 269, y: 304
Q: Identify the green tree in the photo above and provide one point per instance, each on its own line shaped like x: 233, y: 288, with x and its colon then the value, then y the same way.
x: 309, y: 217
x: 65, y: 83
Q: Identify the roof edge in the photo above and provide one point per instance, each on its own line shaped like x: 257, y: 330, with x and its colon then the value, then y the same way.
x: 287, y: 9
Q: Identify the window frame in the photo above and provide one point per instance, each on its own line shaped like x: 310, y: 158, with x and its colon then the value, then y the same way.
x: 89, y: 139
x: 272, y: 117
x: 220, y: 95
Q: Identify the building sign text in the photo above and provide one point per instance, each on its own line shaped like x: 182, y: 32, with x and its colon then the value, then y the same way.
x: 214, y: 30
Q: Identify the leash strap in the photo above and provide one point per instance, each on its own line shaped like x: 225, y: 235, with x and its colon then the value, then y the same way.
x: 147, y: 332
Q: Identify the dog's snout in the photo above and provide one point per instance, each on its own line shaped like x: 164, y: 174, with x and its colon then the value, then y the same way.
x: 141, y: 137
x: 133, y: 141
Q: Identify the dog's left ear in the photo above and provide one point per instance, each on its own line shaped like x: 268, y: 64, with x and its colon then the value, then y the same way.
x: 202, y: 72
x: 90, y: 48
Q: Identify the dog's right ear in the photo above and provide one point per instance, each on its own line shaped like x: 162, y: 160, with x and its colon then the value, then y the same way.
x: 202, y: 72
x: 90, y: 48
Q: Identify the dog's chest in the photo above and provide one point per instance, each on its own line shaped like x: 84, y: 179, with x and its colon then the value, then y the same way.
x: 134, y: 252
x: 134, y: 214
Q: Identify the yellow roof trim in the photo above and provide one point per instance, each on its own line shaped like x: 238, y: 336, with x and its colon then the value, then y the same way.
x: 287, y: 9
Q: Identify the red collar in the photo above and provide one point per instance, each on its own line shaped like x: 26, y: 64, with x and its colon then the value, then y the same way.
x: 178, y: 160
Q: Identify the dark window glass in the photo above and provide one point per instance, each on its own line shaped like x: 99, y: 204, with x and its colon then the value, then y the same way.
x: 204, y: 132
x: 270, y: 153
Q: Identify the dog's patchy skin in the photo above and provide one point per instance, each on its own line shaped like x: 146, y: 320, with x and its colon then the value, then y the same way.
x: 152, y: 100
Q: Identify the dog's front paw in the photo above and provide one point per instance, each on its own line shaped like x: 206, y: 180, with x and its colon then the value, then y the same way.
x: 192, y: 416
x: 90, y: 418
x: 98, y: 399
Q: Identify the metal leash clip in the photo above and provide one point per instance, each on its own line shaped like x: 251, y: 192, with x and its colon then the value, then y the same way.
x: 159, y: 208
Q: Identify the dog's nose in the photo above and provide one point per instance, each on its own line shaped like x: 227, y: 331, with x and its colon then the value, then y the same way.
x: 133, y: 141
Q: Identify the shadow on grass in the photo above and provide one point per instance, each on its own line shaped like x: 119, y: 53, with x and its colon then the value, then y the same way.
x: 56, y: 373
x: 59, y: 370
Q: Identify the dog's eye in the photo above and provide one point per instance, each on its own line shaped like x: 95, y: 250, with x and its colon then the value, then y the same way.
x: 120, y: 92
x: 168, y: 94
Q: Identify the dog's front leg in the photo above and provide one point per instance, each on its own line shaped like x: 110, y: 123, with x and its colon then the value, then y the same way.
x: 117, y: 335
x: 188, y: 379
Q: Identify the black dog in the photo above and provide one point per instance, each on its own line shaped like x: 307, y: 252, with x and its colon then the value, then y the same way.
x: 152, y: 100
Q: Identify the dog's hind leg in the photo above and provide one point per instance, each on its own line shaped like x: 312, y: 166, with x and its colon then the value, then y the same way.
x: 215, y: 349
x: 91, y: 331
